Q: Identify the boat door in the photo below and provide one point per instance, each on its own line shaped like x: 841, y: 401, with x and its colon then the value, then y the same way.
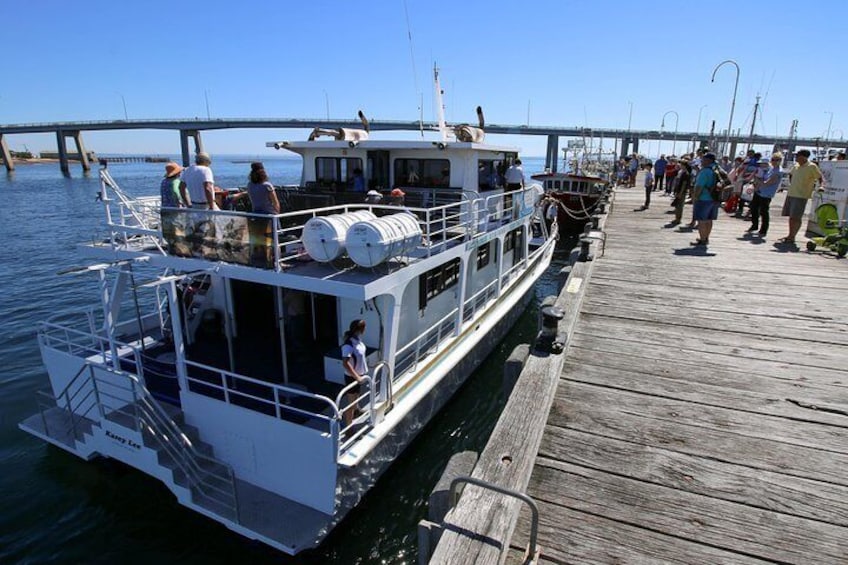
x: 378, y: 170
x: 256, y: 335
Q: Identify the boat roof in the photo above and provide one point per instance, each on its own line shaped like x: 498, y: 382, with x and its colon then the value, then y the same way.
x: 382, y: 144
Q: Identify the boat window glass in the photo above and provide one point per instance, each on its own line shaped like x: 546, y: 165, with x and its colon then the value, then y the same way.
x: 557, y: 185
x: 436, y: 281
x: 483, y: 255
x: 514, y: 242
x: 333, y: 172
x: 422, y: 172
x: 489, y: 174
x: 581, y: 188
x: 549, y: 184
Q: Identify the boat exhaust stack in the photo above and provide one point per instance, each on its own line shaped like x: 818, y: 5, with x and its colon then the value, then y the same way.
x: 468, y: 133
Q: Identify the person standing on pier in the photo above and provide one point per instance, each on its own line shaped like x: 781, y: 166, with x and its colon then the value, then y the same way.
x: 705, y: 204
x: 649, y: 186
x: 197, y: 184
x: 803, y: 179
x: 763, y: 195
x: 659, y: 172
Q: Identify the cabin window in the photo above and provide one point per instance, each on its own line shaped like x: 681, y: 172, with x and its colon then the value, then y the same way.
x: 514, y: 242
x: 335, y: 172
x: 489, y: 174
x: 483, y: 255
x: 422, y: 172
x: 436, y: 281
x: 549, y: 184
x: 557, y: 185
x: 581, y: 187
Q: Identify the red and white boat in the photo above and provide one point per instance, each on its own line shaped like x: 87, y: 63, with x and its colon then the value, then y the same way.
x: 577, y: 195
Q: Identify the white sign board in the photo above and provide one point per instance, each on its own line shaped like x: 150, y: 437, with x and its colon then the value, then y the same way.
x: 835, y: 175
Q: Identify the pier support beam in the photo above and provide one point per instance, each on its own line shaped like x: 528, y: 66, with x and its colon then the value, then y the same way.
x: 198, y: 145
x: 552, y: 153
x: 635, y: 141
x: 77, y: 135
x: 63, y: 153
x: 732, y: 152
x: 6, y: 154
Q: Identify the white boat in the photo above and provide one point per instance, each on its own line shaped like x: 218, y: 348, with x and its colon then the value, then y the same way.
x: 221, y: 374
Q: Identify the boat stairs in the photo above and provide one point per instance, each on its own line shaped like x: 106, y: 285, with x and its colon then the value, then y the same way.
x: 699, y: 412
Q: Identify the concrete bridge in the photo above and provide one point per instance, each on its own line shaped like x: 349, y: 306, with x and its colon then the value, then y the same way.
x: 191, y: 129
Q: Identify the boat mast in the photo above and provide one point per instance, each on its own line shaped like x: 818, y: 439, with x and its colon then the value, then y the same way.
x: 440, y: 105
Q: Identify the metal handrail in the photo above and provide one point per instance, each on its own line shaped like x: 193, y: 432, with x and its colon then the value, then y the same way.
x: 424, y: 337
x: 532, y: 548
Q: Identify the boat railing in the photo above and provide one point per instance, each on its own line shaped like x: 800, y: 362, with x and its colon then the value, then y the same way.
x: 274, y: 241
x: 478, y: 300
x: 121, y: 398
x: 284, y: 402
x: 408, y: 356
x: 354, y: 429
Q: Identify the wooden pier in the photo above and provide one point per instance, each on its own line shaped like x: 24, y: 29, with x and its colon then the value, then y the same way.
x: 700, y: 416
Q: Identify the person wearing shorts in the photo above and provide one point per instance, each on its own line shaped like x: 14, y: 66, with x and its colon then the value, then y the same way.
x: 803, y: 179
x: 705, y: 207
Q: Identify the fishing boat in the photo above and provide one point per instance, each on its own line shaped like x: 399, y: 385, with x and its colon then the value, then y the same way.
x: 575, y: 195
x: 211, y: 359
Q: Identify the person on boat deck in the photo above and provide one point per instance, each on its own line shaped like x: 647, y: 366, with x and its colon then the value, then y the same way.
x: 358, y: 181
x: 197, y: 183
x: 170, y: 187
x: 515, y: 176
x: 354, y: 363
x: 373, y: 197
x: 263, y: 197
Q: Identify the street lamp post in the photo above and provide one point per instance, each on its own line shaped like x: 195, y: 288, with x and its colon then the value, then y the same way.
x: 124, y: 102
x: 676, y: 122
x: 829, y: 123
x: 733, y: 102
x: 698, y: 127
x: 327, y: 104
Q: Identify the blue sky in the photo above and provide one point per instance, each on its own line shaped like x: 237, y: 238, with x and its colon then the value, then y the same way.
x: 572, y: 63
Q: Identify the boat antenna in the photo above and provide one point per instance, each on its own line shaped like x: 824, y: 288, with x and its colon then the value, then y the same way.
x: 440, y: 105
x: 414, y: 71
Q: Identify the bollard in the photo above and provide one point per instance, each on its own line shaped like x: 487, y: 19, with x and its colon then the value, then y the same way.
x: 587, y: 227
x: 602, y: 207
x: 549, y: 339
x: 585, y: 243
x: 595, y: 219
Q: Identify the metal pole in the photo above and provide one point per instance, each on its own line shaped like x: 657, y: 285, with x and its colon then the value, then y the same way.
x: 630, y: 116
x: 733, y: 102
x: 327, y: 104
x: 698, y: 127
x: 829, y: 123
x: 206, y: 96
x: 676, y: 123
x: 124, y: 102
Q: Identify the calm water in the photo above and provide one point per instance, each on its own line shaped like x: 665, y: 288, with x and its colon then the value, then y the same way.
x: 57, y: 508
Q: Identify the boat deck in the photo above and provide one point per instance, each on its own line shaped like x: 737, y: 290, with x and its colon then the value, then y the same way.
x: 702, y: 412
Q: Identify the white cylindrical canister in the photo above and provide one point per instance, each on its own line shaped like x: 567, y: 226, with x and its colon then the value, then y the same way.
x: 324, y: 236
x: 371, y: 242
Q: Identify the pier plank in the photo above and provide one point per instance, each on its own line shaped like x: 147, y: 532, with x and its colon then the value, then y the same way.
x: 751, y: 393
x: 739, y: 528
x: 768, y: 490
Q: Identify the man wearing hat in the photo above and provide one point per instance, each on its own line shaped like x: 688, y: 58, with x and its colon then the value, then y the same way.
x: 803, y: 179
x: 197, y: 184
x: 705, y: 206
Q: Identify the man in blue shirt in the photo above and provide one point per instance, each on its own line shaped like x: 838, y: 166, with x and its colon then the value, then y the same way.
x: 763, y: 195
x: 705, y: 207
x: 659, y: 172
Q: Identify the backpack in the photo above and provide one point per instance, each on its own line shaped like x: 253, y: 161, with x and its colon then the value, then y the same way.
x: 721, y: 189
